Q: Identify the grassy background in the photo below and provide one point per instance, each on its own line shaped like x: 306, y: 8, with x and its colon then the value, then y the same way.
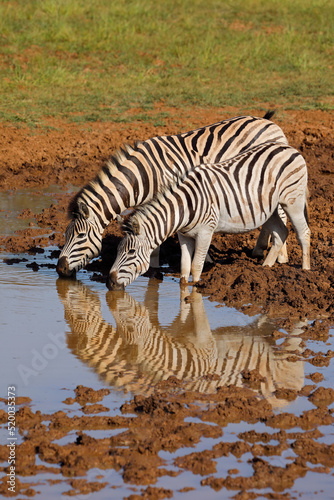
x: 93, y: 59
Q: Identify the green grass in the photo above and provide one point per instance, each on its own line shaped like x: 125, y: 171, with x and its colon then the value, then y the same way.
x: 97, y: 58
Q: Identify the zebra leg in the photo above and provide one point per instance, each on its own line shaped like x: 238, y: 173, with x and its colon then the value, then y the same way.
x: 262, y: 241
x: 264, y: 238
x: 279, y: 233
x: 185, y: 305
x: 297, y: 213
x: 283, y: 253
x: 187, y: 245
x: 203, y: 241
x: 203, y: 335
x: 154, y: 259
x: 208, y: 259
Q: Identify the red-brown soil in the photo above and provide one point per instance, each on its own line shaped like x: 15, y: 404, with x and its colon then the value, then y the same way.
x: 66, y: 154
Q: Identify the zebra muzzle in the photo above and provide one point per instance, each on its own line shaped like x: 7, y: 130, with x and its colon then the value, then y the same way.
x: 63, y: 269
x: 112, y: 283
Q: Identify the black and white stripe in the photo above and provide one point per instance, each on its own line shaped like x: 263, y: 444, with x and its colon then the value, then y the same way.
x: 234, y: 196
x: 139, y: 352
x: 135, y: 174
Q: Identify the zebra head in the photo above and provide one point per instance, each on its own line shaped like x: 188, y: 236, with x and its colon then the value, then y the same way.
x: 133, y: 257
x: 83, y: 242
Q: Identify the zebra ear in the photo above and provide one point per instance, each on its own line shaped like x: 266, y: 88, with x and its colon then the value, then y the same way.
x: 135, y: 226
x: 83, y: 209
x: 120, y: 220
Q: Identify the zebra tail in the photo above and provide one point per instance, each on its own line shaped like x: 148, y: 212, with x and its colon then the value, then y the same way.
x: 269, y: 114
x: 306, y: 207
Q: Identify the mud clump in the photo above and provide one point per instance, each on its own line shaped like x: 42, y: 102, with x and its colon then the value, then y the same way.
x: 322, y: 397
x: 253, y: 378
x: 84, y: 395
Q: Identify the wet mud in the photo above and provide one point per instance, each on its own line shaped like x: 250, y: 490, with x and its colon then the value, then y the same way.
x: 160, y: 422
x: 174, y: 415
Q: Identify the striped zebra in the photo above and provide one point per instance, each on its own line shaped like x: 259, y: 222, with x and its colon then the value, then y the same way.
x: 135, y: 174
x: 139, y: 352
x: 234, y: 196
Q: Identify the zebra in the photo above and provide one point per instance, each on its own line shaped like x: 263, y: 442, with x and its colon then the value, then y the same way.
x: 234, y: 196
x: 135, y: 174
x: 139, y: 352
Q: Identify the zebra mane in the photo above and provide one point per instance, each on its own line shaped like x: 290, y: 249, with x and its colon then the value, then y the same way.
x: 73, y: 210
x: 110, y: 168
x: 127, y: 227
x: 143, y: 211
x: 114, y: 163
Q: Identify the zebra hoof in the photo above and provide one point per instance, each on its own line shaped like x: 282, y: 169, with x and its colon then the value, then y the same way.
x: 282, y: 259
x: 184, y: 282
x: 257, y: 254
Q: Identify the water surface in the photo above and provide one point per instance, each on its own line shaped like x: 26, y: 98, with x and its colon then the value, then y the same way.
x: 57, y: 334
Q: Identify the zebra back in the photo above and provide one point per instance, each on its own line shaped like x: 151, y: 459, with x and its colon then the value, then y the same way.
x: 135, y: 174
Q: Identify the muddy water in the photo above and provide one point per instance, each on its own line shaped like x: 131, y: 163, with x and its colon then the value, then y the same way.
x: 58, y: 334
x: 13, y: 203
x: 129, y: 340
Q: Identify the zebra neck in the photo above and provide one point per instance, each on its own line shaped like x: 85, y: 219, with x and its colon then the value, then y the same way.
x: 102, y: 203
x: 161, y: 219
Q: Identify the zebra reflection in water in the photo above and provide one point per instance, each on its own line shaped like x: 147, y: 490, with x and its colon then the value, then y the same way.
x: 139, y: 352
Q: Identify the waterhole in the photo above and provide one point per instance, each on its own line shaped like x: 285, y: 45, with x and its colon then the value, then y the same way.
x: 129, y: 340
x: 13, y: 203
